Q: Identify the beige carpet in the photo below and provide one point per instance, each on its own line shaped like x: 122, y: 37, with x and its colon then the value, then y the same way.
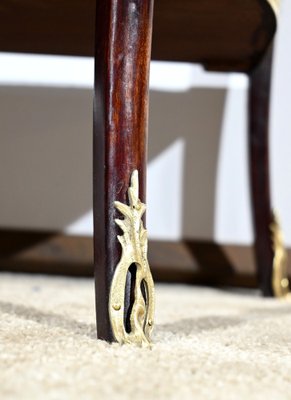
x: 209, y: 344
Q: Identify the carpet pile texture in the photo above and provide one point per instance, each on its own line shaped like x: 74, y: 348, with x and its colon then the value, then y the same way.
x: 208, y: 344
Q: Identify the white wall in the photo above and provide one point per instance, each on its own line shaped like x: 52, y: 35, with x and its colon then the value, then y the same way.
x: 197, y: 172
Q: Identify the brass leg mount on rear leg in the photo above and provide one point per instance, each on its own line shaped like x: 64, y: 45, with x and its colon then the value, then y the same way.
x: 280, y: 281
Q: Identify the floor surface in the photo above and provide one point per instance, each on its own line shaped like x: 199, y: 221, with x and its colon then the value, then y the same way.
x: 208, y: 344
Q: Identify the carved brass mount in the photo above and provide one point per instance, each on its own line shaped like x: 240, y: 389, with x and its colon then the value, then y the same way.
x: 134, y: 251
x: 280, y: 281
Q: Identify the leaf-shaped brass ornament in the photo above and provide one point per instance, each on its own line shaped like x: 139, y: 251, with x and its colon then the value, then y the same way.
x: 280, y: 281
x: 134, y: 251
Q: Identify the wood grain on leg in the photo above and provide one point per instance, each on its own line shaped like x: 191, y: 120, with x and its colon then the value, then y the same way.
x: 123, y: 43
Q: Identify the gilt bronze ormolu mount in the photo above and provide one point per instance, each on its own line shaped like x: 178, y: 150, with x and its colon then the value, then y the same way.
x: 134, y: 245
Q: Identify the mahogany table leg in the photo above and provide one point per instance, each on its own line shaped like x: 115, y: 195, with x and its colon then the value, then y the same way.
x: 259, y: 97
x: 123, y: 45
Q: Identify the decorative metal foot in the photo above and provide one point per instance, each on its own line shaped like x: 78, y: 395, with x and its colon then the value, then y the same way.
x: 280, y: 281
x: 134, y: 251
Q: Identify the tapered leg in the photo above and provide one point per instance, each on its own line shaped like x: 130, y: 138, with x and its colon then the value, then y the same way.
x: 259, y: 98
x: 123, y: 44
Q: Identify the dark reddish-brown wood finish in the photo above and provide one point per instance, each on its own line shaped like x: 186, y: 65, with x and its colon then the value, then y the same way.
x: 220, y: 34
x: 225, y: 35
x: 123, y: 43
x: 259, y: 98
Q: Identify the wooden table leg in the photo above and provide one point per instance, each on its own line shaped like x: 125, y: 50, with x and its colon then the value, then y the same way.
x: 259, y: 98
x: 122, y: 58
